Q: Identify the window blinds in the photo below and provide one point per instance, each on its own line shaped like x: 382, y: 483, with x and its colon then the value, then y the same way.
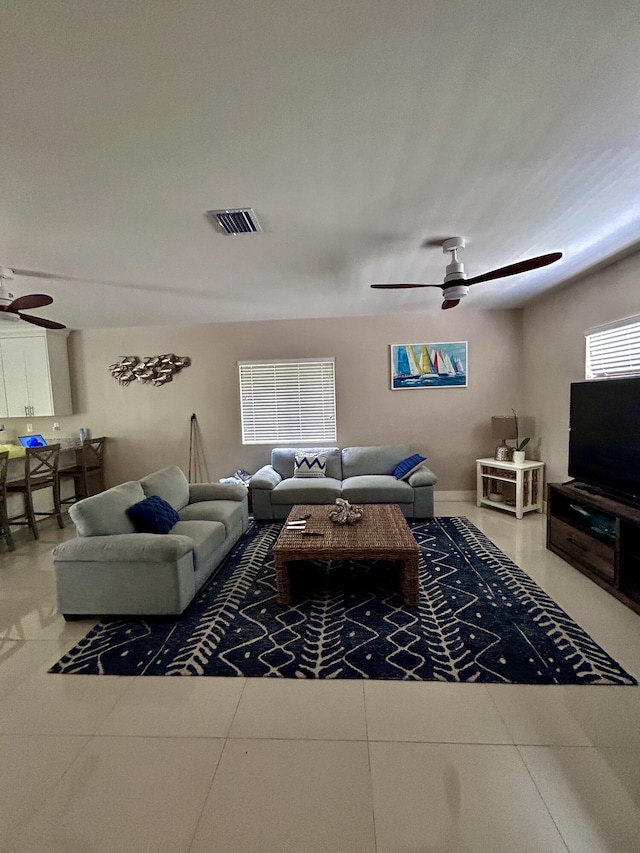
x: 614, y: 349
x: 288, y: 400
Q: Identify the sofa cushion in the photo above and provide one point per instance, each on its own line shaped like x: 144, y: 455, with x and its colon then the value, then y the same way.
x: 206, y: 537
x: 106, y: 513
x: 283, y: 460
x: 310, y: 464
x: 153, y: 515
x: 123, y: 548
x: 323, y: 490
x: 372, y: 460
x: 229, y: 513
x: 169, y: 483
x: 405, y: 469
x: 216, y: 492
x: 376, y: 488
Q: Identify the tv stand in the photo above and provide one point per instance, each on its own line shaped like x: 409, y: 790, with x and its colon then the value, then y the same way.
x: 598, y: 535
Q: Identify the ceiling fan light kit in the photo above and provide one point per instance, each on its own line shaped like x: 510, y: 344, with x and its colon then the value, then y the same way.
x: 455, y: 268
x: 6, y: 298
x: 455, y: 285
x: 11, y: 308
x: 456, y: 291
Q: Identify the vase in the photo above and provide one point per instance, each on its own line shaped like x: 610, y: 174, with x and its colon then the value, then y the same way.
x: 518, y: 456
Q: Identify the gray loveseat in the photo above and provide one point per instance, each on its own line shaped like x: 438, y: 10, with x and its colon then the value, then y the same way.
x: 362, y: 475
x: 110, y: 569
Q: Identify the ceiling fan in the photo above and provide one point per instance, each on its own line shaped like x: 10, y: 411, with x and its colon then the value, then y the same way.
x: 11, y: 308
x: 456, y: 285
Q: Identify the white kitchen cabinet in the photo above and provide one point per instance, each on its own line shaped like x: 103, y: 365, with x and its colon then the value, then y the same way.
x: 35, y: 369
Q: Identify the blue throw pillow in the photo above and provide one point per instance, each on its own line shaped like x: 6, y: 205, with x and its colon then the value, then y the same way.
x: 404, y: 469
x: 153, y: 515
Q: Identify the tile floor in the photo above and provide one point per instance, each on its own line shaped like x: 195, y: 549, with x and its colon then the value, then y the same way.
x: 202, y: 765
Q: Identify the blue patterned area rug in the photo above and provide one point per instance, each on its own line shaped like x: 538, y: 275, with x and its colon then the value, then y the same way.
x: 480, y: 619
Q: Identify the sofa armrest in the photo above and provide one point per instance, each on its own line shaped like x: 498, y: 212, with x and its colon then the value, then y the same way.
x: 124, y: 547
x: 422, y: 477
x: 266, y: 478
x: 216, y: 492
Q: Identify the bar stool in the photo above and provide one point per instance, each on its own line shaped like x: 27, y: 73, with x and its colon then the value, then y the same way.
x: 40, y: 472
x: 5, y: 530
x: 89, y: 463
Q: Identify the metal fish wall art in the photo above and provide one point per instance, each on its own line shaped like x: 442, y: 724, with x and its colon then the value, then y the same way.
x: 156, y: 369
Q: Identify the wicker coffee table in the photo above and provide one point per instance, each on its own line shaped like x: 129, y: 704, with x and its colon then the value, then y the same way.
x: 382, y: 534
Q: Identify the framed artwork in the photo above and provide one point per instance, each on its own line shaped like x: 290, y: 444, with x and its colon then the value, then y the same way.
x: 436, y: 365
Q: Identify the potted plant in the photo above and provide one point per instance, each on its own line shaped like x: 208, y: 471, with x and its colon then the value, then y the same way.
x: 517, y: 453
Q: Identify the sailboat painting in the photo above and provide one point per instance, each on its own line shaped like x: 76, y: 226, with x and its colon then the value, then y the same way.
x: 439, y: 365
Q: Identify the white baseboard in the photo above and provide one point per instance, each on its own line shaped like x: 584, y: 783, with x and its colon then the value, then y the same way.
x: 455, y: 496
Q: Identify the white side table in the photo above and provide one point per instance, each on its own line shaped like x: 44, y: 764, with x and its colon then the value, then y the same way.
x: 520, y: 485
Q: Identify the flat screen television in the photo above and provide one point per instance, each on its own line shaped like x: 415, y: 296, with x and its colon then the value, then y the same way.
x: 604, y: 437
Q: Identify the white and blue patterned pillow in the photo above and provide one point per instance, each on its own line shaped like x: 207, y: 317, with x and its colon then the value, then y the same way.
x: 310, y: 465
x: 405, y: 469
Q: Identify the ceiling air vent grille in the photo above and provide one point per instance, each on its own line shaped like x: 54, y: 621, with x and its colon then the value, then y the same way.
x: 232, y: 222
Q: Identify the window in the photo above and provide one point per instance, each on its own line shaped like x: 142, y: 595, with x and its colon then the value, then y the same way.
x: 614, y: 349
x: 288, y: 400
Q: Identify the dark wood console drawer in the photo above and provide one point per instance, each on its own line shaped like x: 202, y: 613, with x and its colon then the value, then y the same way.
x: 582, y: 549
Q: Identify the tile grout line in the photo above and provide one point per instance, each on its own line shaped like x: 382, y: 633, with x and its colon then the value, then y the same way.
x: 215, y: 769
x: 369, y: 742
x: 535, y: 784
x: 54, y: 786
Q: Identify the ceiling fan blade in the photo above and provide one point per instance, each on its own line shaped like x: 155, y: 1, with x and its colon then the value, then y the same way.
x: 31, y: 300
x: 450, y: 303
x: 399, y: 286
x: 41, y: 321
x: 193, y: 293
x: 514, y: 269
x: 51, y: 276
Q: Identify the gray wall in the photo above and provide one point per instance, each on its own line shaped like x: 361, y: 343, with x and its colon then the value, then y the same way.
x: 521, y: 359
x: 149, y: 426
x: 554, y: 349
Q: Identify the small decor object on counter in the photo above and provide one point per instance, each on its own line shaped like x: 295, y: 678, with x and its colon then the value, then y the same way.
x: 7, y: 436
x: 344, y: 513
x: 157, y: 369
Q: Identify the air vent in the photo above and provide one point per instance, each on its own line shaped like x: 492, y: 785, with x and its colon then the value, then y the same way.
x: 233, y: 222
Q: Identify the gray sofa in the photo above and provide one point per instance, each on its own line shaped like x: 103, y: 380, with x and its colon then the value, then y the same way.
x: 110, y: 569
x: 362, y: 475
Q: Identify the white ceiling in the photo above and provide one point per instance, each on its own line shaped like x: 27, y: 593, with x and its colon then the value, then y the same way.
x: 358, y: 130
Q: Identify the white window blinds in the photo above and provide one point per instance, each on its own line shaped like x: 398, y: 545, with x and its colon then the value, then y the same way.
x: 288, y: 400
x: 614, y: 349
